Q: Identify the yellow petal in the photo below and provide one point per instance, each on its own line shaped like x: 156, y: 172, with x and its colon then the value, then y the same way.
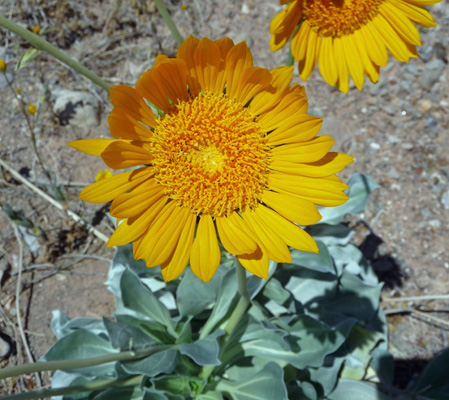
x: 400, y: 23
x: 330, y: 164
x: 108, y: 189
x: 165, y: 232
x: 233, y: 238
x: 277, y: 249
x: 292, y: 207
x: 123, y: 125
x: 413, y: 10
x: 132, y: 228
x: 174, y: 267
x: 121, y: 155
x: 93, y: 147
x: 185, y: 52
x: 205, y: 254
x: 249, y: 83
x: 327, y: 61
x: 127, y: 99
x: 305, y: 152
x: 321, y: 191
x: 257, y: 263
x: 135, y: 202
x: 353, y: 60
x: 207, y: 59
x: 342, y: 68
x: 292, y: 234
x: 298, y: 128
x: 238, y: 59
x: 307, y: 64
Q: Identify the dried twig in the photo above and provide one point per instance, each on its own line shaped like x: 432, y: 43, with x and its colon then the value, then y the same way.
x: 18, y: 290
x: 417, y: 298
x: 52, y: 201
x: 421, y: 313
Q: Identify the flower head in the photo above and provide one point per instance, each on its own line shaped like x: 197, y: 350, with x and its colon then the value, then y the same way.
x: 349, y: 36
x: 226, y: 152
x: 32, y: 109
x: 2, y: 65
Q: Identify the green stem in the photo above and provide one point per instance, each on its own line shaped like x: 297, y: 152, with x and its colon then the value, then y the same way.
x: 41, y: 44
x: 239, y: 311
x: 88, y: 387
x: 290, y: 59
x: 171, y: 25
x: 74, y: 364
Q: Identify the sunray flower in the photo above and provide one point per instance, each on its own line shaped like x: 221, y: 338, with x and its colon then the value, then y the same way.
x: 349, y: 36
x: 225, y: 151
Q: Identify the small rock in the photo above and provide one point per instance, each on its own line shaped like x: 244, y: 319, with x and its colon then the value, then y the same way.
x: 430, y: 123
x: 374, y: 146
x: 5, y: 345
x: 445, y: 199
x: 407, y: 146
x: 431, y: 73
x: 75, y: 108
x: 425, y: 105
x: 425, y: 53
x: 435, y: 223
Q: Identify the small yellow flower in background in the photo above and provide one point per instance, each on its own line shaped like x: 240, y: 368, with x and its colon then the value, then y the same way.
x: 19, y: 91
x: 36, y: 29
x: 234, y: 156
x: 104, y: 174
x: 32, y: 109
x: 2, y: 65
x: 184, y: 6
x: 349, y: 36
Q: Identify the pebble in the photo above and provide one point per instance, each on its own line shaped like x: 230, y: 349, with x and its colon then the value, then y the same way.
x: 425, y: 53
x: 77, y: 108
x: 430, y: 123
x: 5, y: 345
x: 431, y: 73
x: 374, y: 146
x: 435, y: 223
x: 445, y: 199
x: 425, y: 105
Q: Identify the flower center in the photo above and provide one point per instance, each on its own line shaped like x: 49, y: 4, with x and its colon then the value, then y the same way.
x: 338, y: 18
x: 211, y: 155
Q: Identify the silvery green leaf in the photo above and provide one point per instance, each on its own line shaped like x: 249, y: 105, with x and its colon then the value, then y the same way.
x: 360, y: 186
x: 175, y: 384
x: 62, y: 325
x: 256, y: 284
x: 331, y: 234
x: 316, y: 340
x: 153, y: 329
x: 82, y: 344
x: 204, y: 351
x: 303, y: 391
x: 163, y: 362
x: 151, y: 394
x: 327, y: 374
x: 27, y: 58
x: 226, y: 295
x: 433, y: 382
x: 194, y: 295
x: 137, y: 297
x: 321, y: 262
x: 125, y: 337
x: 348, y: 389
x: 383, y: 363
x: 265, y: 384
x: 209, y: 396
x: 359, y: 345
x: 120, y: 393
x: 308, y: 285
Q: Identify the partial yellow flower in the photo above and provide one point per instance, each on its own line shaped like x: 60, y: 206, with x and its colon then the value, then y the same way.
x: 104, y: 174
x: 226, y: 152
x: 32, y: 109
x: 2, y: 65
x: 36, y: 29
x: 349, y: 36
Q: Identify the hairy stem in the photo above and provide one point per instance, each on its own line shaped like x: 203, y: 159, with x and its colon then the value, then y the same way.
x: 88, y: 387
x: 170, y: 24
x: 74, y: 364
x: 41, y: 44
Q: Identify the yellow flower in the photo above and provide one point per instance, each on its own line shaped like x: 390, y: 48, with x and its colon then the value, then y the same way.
x: 104, y: 174
x: 349, y: 36
x: 2, y: 65
x: 32, y: 109
x: 184, y: 6
x: 226, y: 151
x: 36, y: 29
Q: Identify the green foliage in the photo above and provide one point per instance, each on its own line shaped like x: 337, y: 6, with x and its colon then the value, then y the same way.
x: 314, y: 330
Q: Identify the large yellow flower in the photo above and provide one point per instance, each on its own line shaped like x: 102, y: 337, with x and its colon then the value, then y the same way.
x: 349, y: 36
x: 225, y: 150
